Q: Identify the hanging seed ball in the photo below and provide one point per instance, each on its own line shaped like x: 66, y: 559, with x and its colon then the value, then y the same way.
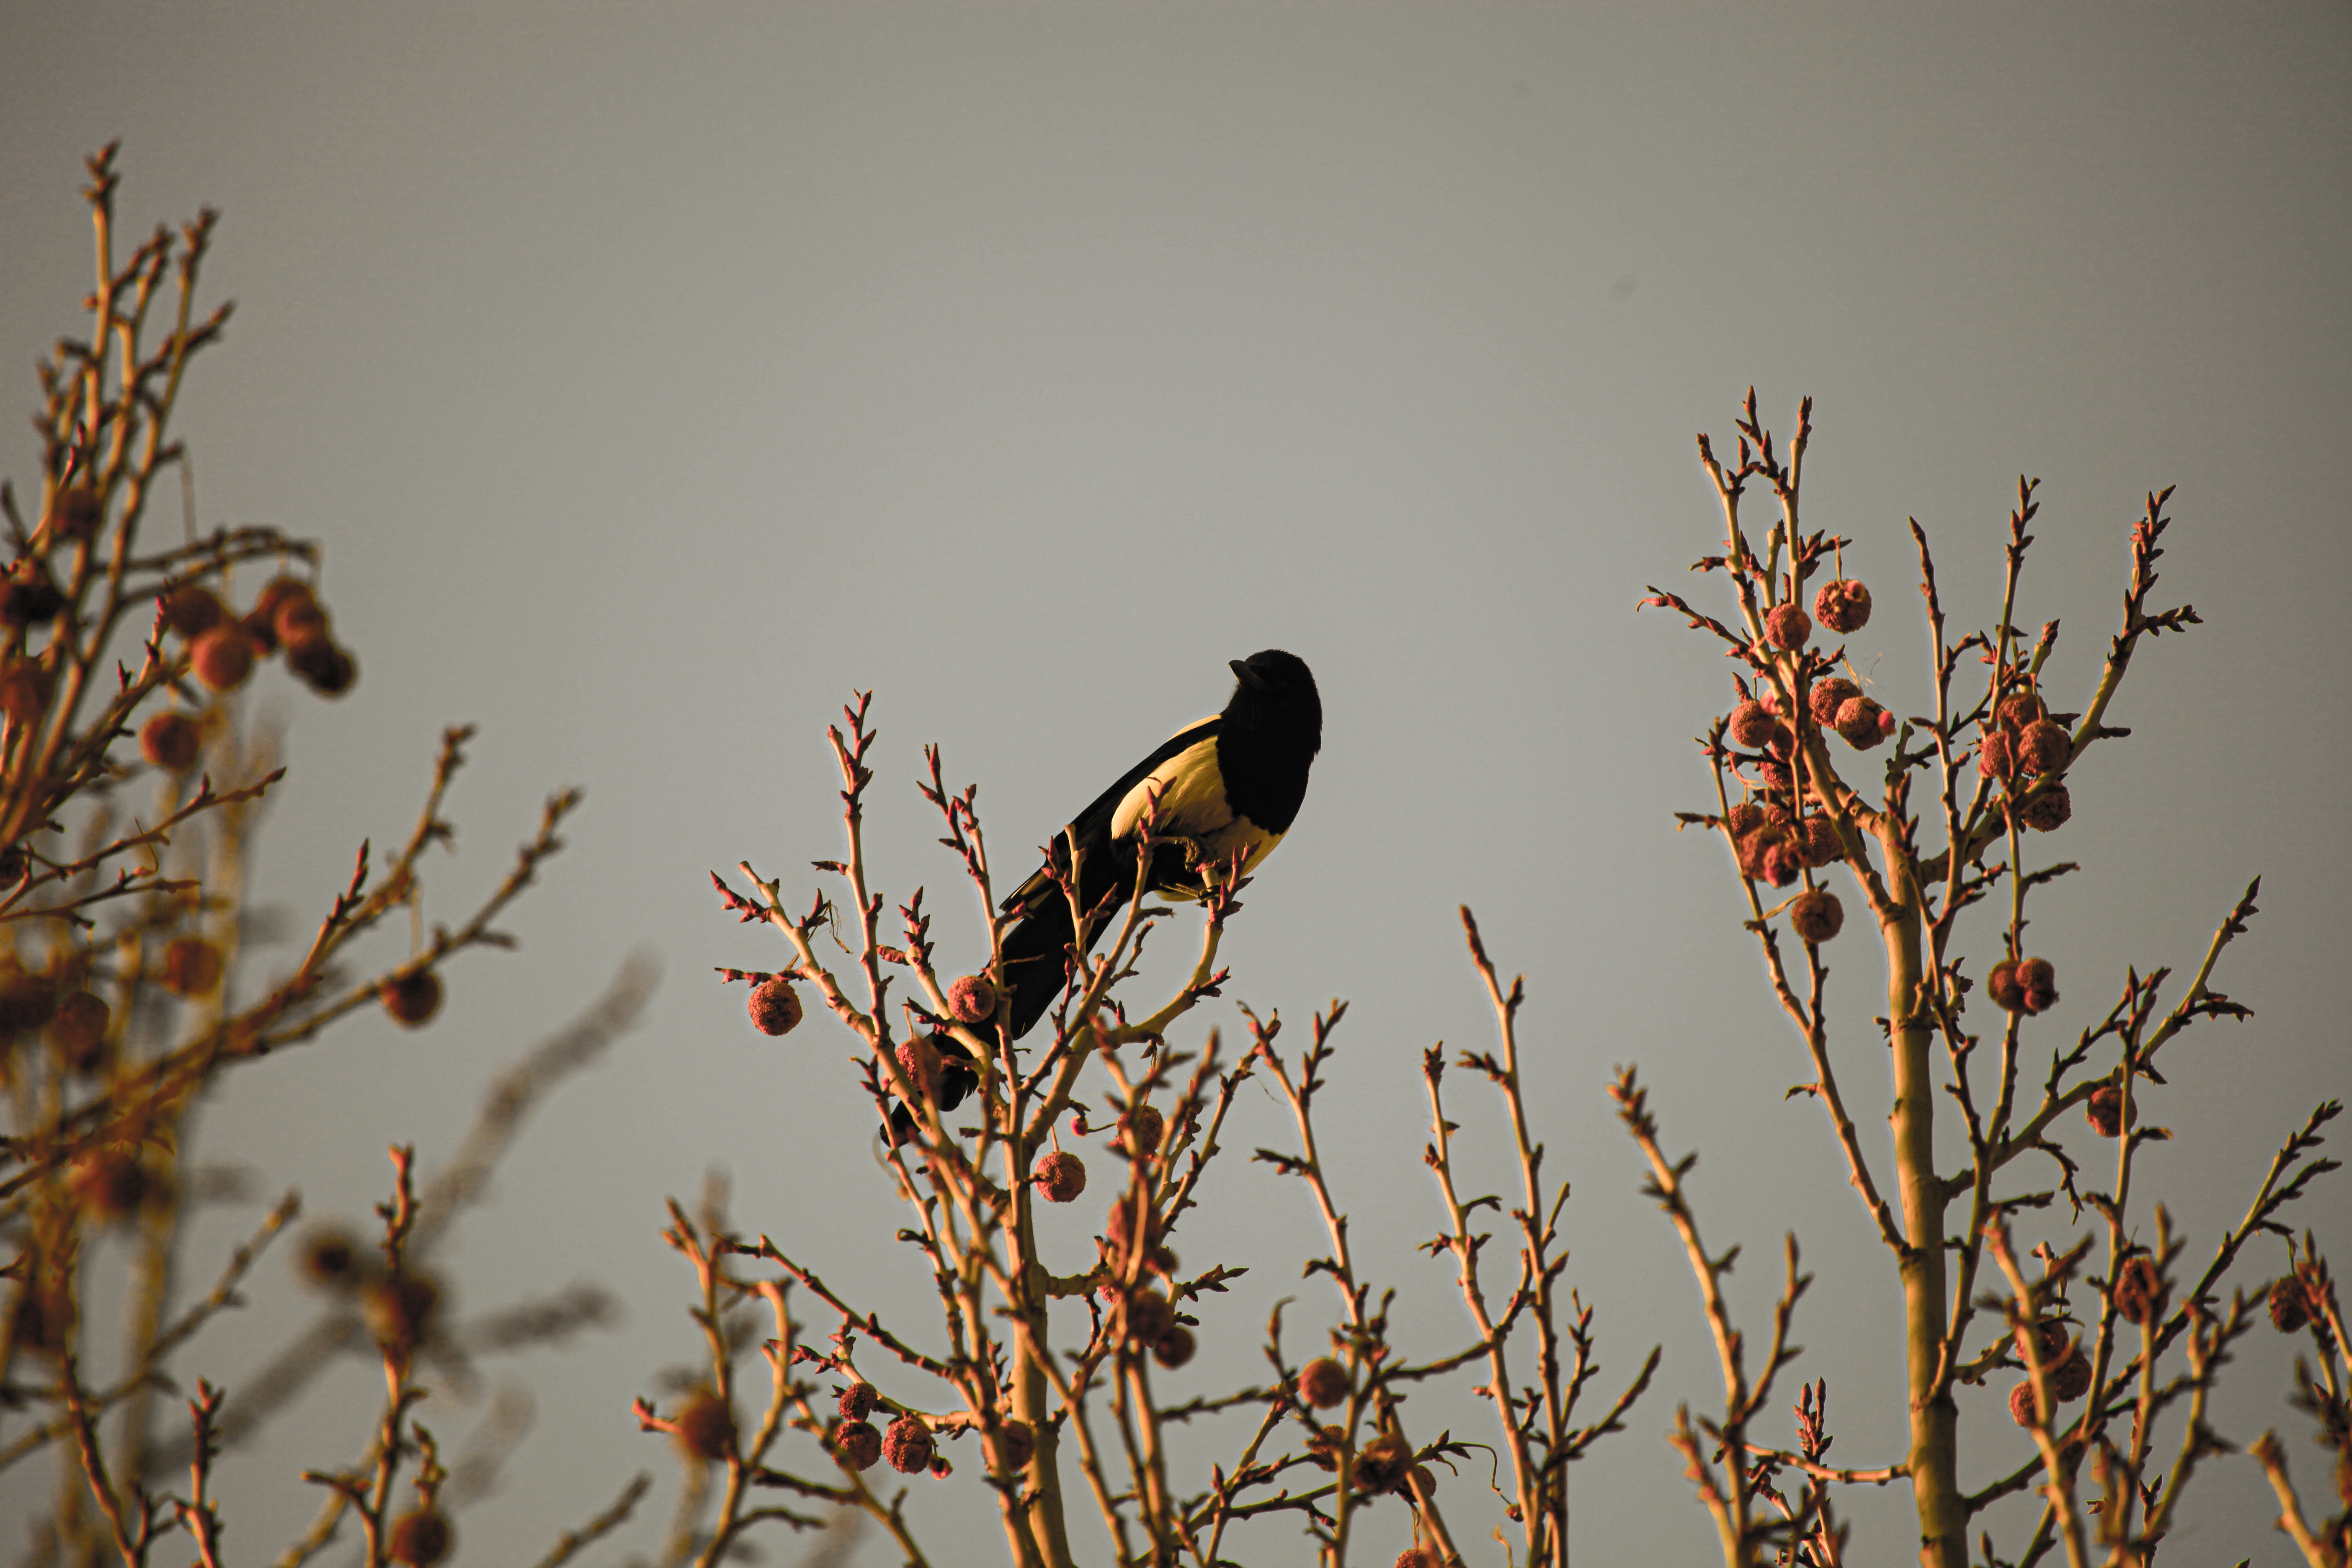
x: 329, y: 1260
x: 1148, y: 1318
x: 1745, y: 818
x: 1175, y: 1347
x: 2023, y: 708
x: 1383, y: 1463
x: 855, y: 1445
x: 1781, y: 862
x: 940, y: 1468
x: 109, y: 1184
x: 1842, y: 606
x: 399, y: 1309
x: 2140, y: 1292
x: 422, y: 1537
x: 775, y: 1006
x: 280, y: 593
x: 192, y: 610
x: 705, y: 1427
x: 2071, y: 1378
x: 77, y: 513
x: 919, y: 1060
x: 223, y: 658
x: 411, y: 997
x: 78, y: 1030
x: 2038, y: 980
x: 23, y: 691
x: 29, y: 600
x: 171, y: 741
x: 2048, y: 812
x: 907, y: 1444
x: 1140, y: 1129
x: 1789, y: 626
x: 1823, y: 847
x: 2022, y: 1404
x: 1118, y: 1226
x: 1060, y: 1176
x: 858, y: 1401
x: 2043, y: 747
x: 1417, y: 1557
x: 1014, y: 1445
x: 1817, y: 915
x: 973, y: 999
x: 321, y: 665
x: 1751, y: 725
x: 296, y: 619
x: 2105, y: 1110
x: 1993, y: 759
x: 2049, y: 1334
x: 2002, y: 987
x: 2289, y: 1305
x: 27, y: 1002
x: 1862, y: 723
x: 191, y: 967
x: 1323, y: 1382
x: 1829, y: 696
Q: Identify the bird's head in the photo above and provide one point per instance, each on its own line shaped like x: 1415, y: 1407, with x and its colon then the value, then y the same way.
x: 1277, y: 688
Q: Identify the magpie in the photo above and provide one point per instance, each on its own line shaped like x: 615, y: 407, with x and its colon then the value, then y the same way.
x: 1230, y: 784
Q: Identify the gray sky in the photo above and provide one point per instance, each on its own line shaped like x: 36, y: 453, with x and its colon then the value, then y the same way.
x: 654, y: 377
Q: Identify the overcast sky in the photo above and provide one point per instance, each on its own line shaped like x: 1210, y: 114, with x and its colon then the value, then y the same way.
x: 655, y: 376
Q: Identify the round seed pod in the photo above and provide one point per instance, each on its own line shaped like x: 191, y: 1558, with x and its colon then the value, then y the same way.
x: 2002, y: 987
x: 973, y: 999
x: 855, y: 1445
x: 411, y: 997
x: 191, y: 967
x: 25, y: 688
x: 907, y: 1444
x: 1012, y: 1444
x: 1175, y: 1347
x: 1862, y: 723
x: 110, y: 1183
x: 27, y: 1002
x: 1821, y: 845
x: 321, y: 665
x: 1829, y: 696
x: 1817, y: 915
x: 2023, y: 708
x: 1745, y: 818
x: 78, y: 1029
x: 171, y: 741
x: 223, y: 658
x: 2038, y: 980
x: 2049, y: 1335
x: 2043, y: 747
x: 331, y: 1259
x: 29, y: 600
x: 2139, y: 1290
x: 1323, y: 1382
x: 77, y: 513
x: 1382, y: 1464
x: 2290, y: 1304
x: 294, y: 620
x: 1417, y: 1557
x: 1140, y: 1129
x: 1752, y: 725
x: 2071, y: 1378
x: 858, y: 1401
x: 2105, y: 1110
x: 1060, y: 1177
x: 1148, y: 1318
x: 1993, y: 758
x: 422, y: 1537
x: 705, y: 1427
x: 775, y: 1006
x: 400, y: 1309
x: 2022, y: 1404
x: 192, y: 610
x: 1842, y: 606
x: 2048, y: 811
x: 919, y: 1060
x: 1789, y: 626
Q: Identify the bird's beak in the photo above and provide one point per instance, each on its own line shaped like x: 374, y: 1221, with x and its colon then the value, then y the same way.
x: 1246, y: 676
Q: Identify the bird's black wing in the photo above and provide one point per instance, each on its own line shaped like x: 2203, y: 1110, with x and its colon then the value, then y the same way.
x: 1091, y: 827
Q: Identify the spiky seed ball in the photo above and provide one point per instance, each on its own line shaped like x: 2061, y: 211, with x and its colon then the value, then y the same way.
x: 79, y: 1031
x: 2105, y: 1110
x: 422, y: 1537
x: 1148, y: 1318
x: 919, y: 1060
x: 2043, y: 747
x: 322, y: 666
x: 1782, y: 861
x: 1829, y: 696
x: 1821, y: 845
x: 940, y: 1468
x: 1060, y: 1176
x: 27, y: 1002
x: 2022, y: 1404
x: 1417, y: 1557
x: 223, y: 658
x: 2071, y: 1378
x: 1862, y: 723
x: 1842, y: 606
x: 1323, y: 1382
x: 2049, y: 1335
x: 856, y: 1445
x: 400, y: 1308
x: 77, y: 513
x: 30, y: 601
x: 1118, y: 1226
x: 2039, y: 980
x: 171, y: 741
x: 281, y: 593
x: 1140, y: 1129
x: 1789, y: 626
x: 858, y: 1401
x: 192, y: 610
x: 1322, y: 1445
x: 973, y: 999
x: 1163, y: 1262
x: 1993, y: 759
x: 329, y: 1260
x: 2017, y: 711
x: 1382, y: 1464
x: 2048, y: 812
x: 1816, y: 915
x: 2002, y: 987
x: 191, y: 967
x: 1014, y: 1445
x: 25, y: 691
x: 411, y: 997
x: 1751, y: 726
x: 1745, y: 818
x: 1175, y: 1347
x: 296, y: 620
x: 907, y: 1444
x: 110, y: 1183
x: 704, y: 1427
x: 2139, y: 1290
x: 775, y: 1006
x: 2290, y: 1304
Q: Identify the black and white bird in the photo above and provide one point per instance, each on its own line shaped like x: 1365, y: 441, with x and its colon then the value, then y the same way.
x: 1230, y: 785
